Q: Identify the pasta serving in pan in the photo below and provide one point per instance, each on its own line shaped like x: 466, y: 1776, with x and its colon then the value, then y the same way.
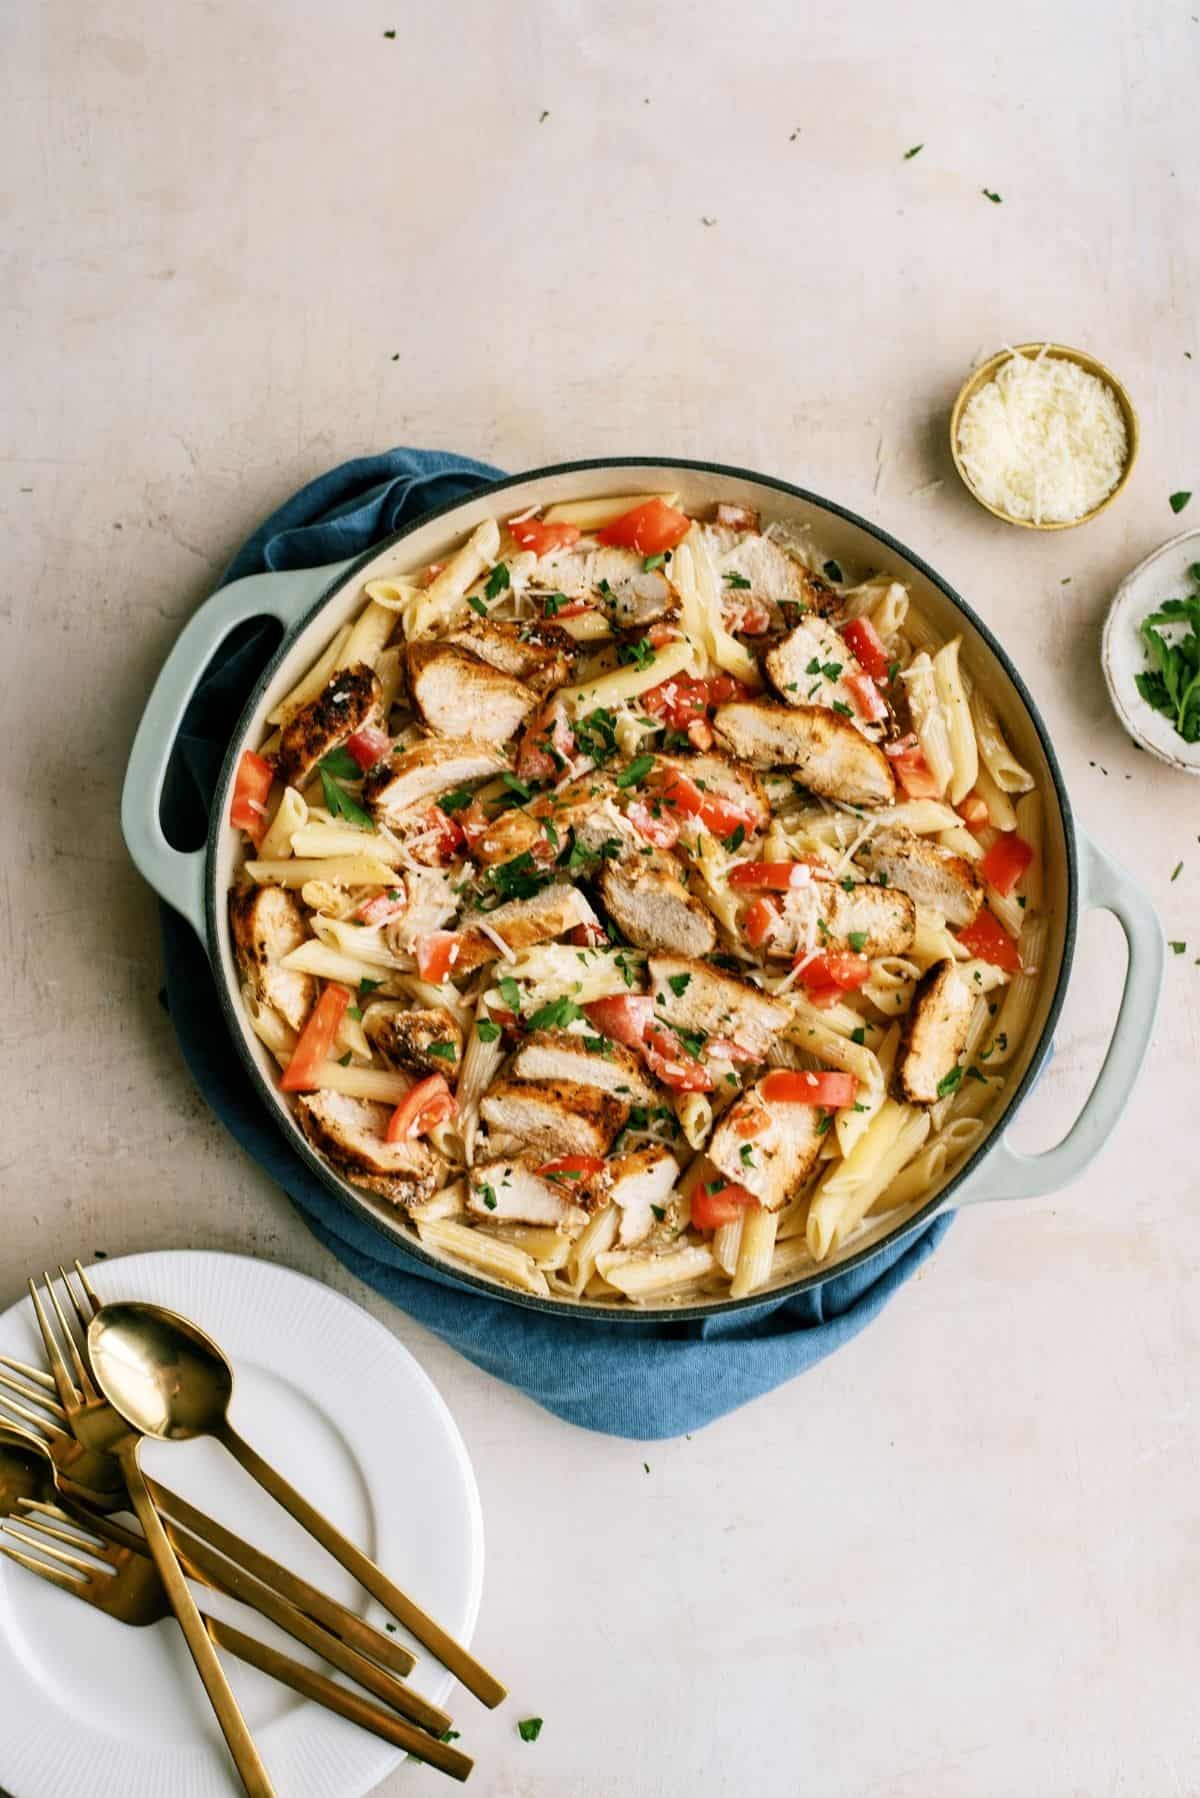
x: 638, y: 905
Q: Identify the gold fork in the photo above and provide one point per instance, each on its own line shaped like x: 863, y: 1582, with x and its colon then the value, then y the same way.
x: 107, y: 1432
x: 106, y: 1566
x: 337, y: 1618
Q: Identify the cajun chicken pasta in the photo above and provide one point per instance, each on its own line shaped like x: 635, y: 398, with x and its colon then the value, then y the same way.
x: 638, y: 904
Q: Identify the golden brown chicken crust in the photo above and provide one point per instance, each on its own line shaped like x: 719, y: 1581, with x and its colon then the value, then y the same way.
x: 350, y: 700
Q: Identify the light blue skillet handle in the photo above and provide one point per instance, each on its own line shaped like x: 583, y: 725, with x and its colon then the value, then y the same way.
x: 176, y: 876
x: 1006, y: 1173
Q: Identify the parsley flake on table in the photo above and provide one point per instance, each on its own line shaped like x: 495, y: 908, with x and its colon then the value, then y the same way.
x: 989, y: 195
x: 1177, y: 870
x: 1178, y: 501
x: 915, y: 151
x: 1177, y: 948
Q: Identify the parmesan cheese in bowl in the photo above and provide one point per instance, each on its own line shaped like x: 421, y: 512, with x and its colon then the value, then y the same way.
x: 1043, y: 436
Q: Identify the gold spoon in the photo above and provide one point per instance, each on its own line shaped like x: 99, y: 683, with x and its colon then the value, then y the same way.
x: 169, y: 1380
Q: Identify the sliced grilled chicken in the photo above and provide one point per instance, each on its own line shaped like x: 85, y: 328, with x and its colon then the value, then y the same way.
x: 722, y: 779
x: 768, y: 1149
x: 934, y: 1033
x: 869, y: 920
x: 590, y: 809
x: 430, y: 768
x: 556, y: 1117
x: 614, y: 579
x: 520, y: 923
x: 267, y: 923
x: 350, y: 700
x: 423, y: 1040
x: 514, y: 1192
x: 456, y: 693
x: 776, y: 578
x: 823, y: 750
x: 935, y: 877
x: 563, y: 1055
x: 636, y: 1184
x: 696, y: 997
x: 515, y: 832
x: 537, y: 653
x: 809, y: 667
x: 352, y: 1133
x: 651, y: 906
x: 736, y: 518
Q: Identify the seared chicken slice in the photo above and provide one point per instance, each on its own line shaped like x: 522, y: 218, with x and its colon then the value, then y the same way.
x: 636, y: 1184
x: 438, y: 765
x: 538, y: 654
x: 823, y: 915
x: 810, y: 665
x: 350, y: 700
x: 776, y: 578
x: 352, y: 1134
x: 695, y: 997
x: 823, y: 750
x: 718, y: 777
x: 520, y: 923
x: 515, y: 832
x: 555, y: 1117
x: 934, y: 1033
x: 768, y: 1149
x: 932, y: 875
x: 513, y: 1192
x: 564, y: 1055
x: 425, y: 1040
x: 267, y: 923
x: 456, y: 693
x: 651, y: 906
x: 615, y: 579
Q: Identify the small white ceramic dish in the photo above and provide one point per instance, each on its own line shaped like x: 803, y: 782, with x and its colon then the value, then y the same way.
x: 90, y: 1705
x: 1163, y: 575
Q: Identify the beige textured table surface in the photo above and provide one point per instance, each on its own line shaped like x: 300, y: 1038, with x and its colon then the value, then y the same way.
x: 243, y: 243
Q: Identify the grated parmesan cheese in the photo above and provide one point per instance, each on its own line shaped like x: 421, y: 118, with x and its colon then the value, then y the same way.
x: 1044, y: 440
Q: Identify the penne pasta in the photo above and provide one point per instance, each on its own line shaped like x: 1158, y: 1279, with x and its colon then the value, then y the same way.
x: 321, y: 840
x: 312, y: 683
x: 595, y: 1239
x: 647, y: 1276
x: 368, y: 637
x: 594, y: 514
x: 929, y: 718
x: 315, y: 957
x: 1027, y: 821
x: 444, y: 602
x: 269, y: 1027
x: 1012, y: 1020
x: 695, y: 1118
x: 1001, y: 812
x: 756, y: 1252
x: 381, y: 1084
x: 502, y: 1260
x: 960, y: 732
x: 348, y: 870
x: 290, y: 814
x: 604, y: 691
x: 994, y: 751
x: 727, y: 1242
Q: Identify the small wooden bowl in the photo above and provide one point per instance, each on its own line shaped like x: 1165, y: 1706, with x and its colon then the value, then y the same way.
x: 979, y: 376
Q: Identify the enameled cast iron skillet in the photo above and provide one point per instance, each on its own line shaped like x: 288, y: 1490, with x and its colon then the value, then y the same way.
x: 311, y: 605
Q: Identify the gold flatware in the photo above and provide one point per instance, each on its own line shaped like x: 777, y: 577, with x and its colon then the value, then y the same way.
x: 109, y: 1432
x: 337, y: 1618
x: 127, y: 1586
x: 170, y: 1380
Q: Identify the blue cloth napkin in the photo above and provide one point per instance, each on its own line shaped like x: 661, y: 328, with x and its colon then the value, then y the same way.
x: 640, y: 1379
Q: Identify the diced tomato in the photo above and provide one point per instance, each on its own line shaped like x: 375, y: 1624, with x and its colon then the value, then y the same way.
x: 382, y: 908
x: 668, y: 1059
x: 911, y: 769
x: 1006, y: 861
x: 369, y: 746
x: 760, y: 920
x: 650, y: 529
x: 547, y: 735
x: 833, y: 973
x: 474, y: 822
x: 866, y: 645
x: 751, y: 618
x: 428, y: 1103
x: 678, y: 700
x: 436, y: 955
x: 661, y: 634
x: 507, y: 1020
x: 866, y: 695
x: 248, y: 811
x: 712, y: 1209
x: 535, y: 534
x: 575, y: 1168
x: 974, y: 812
x: 662, y: 829
x: 988, y: 939
x: 716, y: 814
x: 312, y: 1051
x: 784, y: 1086
x: 450, y: 836
x: 700, y: 734
x: 625, y: 1018
x: 722, y: 688
x: 587, y: 936
x: 574, y: 608
x: 778, y: 877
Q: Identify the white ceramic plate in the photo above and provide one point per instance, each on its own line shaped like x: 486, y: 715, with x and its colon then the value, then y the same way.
x: 90, y: 1705
x: 1163, y: 575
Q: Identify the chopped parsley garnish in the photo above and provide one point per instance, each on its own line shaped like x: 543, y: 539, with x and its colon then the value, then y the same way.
x: 487, y: 1031
x: 838, y: 706
x: 832, y: 571
x: 344, y: 1060
x: 457, y: 800
x: 711, y: 1186
x: 477, y: 605
x: 367, y: 987
x: 509, y: 991
x: 487, y: 1194
x: 555, y: 1014
x: 1178, y: 501
x: 1171, y: 681
x: 823, y: 1122
x: 550, y: 832
x: 746, y: 1154
x: 858, y: 1035
x: 497, y: 580
x: 597, y: 1045
x: 581, y: 857
x: 679, y: 984
x: 660, y: 1211
x: 352, y: 1011
x: 733, y: 579
x: 735, y: 839
x: 949, y: 1082
x: 857, y: 940
x: 341, y: 804
x: 596, y: 735
x: 974, y: 1073
x: 628, y: 972
x: 637, y: 655
x: 552, y: 604
x: 341, y: 764
x: 915, y: 151
x: 989, y: 195
x: 1177, y: 870
x: 636, y: 771
x: 650, y: 563
x: 517, y: 786
x: 520, y: 878
x: 893, y: 670
x: 444, y: 1050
